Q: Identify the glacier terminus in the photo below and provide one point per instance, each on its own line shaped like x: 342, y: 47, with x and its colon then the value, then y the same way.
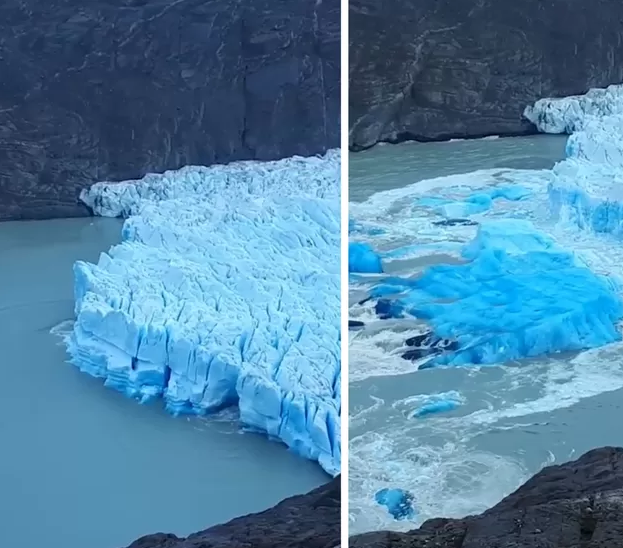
x: 223, y: 292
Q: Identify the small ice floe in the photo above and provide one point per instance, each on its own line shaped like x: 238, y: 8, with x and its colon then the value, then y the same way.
x: 399, y: 503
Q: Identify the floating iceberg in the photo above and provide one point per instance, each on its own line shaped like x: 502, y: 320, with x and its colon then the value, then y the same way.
x: 518, y: 295
x: 362, y: 259
x: 399, y: 502
x: 225, y: 291
x: 437, y: 405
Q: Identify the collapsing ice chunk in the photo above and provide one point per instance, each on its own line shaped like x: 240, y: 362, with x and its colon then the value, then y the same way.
x: 399, y: 503
x: 518, y: 296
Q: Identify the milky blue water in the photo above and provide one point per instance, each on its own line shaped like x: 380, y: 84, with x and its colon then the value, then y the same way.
x: 82, y: 466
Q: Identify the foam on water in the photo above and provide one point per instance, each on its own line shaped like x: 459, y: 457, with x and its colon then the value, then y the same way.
x: 439, y: 458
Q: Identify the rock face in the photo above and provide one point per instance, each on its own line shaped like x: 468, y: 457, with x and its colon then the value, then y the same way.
x: 305, y: 521
x: 575, y: 505
x: 440, y: 69
x: 114, y: 89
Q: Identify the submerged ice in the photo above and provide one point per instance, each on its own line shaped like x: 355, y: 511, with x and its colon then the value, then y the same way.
x: 224, y: 291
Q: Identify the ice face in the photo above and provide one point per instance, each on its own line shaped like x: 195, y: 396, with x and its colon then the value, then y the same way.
x: 588, y: 184
x: 570, y: 114
x: 225, y: 291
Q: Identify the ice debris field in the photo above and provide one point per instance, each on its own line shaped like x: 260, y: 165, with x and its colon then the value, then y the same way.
x: 224, y: 291
x: 493, y: 267
x: 516, y: 286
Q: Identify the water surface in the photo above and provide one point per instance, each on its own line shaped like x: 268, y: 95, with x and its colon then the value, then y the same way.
x: 81, y: 465
x: 384, y: 166
x: 514, y: 419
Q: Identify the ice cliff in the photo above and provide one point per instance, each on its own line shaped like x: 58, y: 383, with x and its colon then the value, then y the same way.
x: 569, y: 114
x: 224, y: 291
x: 588, y: 184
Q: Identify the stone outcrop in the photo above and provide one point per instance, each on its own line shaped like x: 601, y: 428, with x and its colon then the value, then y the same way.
x: 114, y: 89
x: 304, y: 521
x: 440, y: 69
x: 574, y: 505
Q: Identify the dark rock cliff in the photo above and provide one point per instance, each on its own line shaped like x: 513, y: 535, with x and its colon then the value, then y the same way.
x: 439, y: 69
x: 305, y: 521
x: 113, y: 89
x: 575, y: 505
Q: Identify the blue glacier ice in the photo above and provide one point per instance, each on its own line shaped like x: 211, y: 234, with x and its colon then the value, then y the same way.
x: 362, y: 259
x: 518, y: 295
x: 588, y: 185
x: 477, y: 202
x: 224, y: 291
x: 570, y: 114
x: 399, y: 502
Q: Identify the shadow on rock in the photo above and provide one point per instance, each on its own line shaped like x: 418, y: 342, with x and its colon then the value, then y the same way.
x: 304, y: 521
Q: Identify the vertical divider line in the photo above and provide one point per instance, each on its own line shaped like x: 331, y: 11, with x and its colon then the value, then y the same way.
x: 344, y: 266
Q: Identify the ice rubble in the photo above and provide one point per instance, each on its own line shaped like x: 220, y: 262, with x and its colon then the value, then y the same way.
x: 477, y: 202
x: 517, y: 295
x: 224, y: 291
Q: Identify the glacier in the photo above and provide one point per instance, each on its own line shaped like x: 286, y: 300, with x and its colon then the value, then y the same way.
x: 588, y: 185
x: 225, y: 290
x: 570, y: 114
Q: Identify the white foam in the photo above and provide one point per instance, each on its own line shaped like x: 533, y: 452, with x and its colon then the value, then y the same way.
x: 436, y: 458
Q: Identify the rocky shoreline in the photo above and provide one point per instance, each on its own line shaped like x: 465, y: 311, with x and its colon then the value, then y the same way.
x: 578, y: 504
x: 305, y: 521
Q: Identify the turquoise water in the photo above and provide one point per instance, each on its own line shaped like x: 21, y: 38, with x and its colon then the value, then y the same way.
x: 83, y: 466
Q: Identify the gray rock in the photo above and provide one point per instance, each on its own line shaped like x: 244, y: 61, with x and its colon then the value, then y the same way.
x: 575, y: 505
x: 114, y: 89
x: 440, y: 69
x: 304, y: 521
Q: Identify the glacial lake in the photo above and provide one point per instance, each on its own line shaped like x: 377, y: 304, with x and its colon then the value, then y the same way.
x: 82, y: 465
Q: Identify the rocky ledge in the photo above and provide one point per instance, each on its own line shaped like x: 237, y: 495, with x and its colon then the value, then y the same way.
x: 304, y: 521
x: 114, y: 89
x: 574, y: 505
x: 442, y: 69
